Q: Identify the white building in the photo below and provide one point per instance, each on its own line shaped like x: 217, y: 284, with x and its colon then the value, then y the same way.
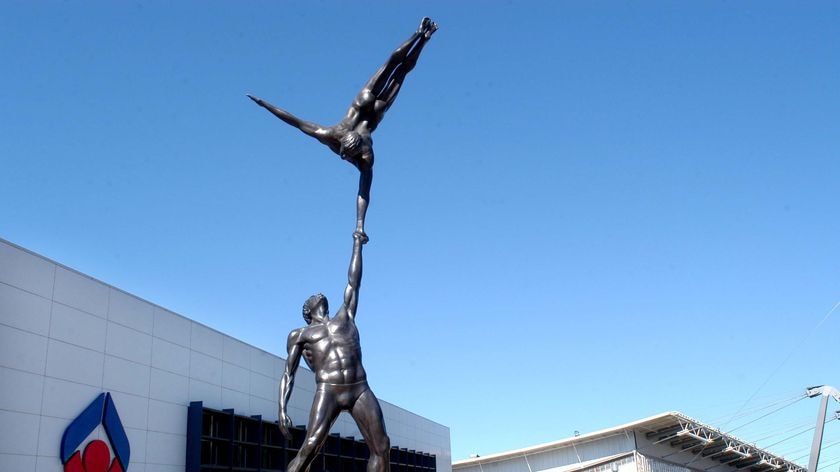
x: 669, y: 442
x: 67, y: 339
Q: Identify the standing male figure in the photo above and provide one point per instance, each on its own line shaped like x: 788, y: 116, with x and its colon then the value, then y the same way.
x: 330, y: 347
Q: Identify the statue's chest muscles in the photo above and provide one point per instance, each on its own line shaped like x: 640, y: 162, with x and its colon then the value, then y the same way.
x: 316, y: 344
x: 325, y: 343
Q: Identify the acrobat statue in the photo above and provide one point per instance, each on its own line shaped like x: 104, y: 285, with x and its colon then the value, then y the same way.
x: 350, y: 138
x: 330, y: 346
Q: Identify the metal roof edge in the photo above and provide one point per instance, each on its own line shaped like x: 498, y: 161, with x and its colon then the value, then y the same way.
x: 676, y: 415
x: 562, y: 442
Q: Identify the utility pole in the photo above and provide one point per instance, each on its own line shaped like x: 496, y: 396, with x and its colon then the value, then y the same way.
x: 825, y: 392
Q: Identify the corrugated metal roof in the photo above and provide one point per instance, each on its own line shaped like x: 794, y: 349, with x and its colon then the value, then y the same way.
x: 674, y: 429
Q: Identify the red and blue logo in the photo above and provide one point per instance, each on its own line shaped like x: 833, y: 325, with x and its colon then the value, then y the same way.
x: 96, y: 456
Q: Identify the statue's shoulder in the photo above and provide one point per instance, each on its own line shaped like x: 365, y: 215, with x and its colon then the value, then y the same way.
x: 297, y: 335
x: 308, y: 334
x: 343, y: 324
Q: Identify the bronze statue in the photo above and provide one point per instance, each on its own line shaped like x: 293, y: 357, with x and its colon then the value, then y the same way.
x: 350, y: 138
x: 330, y: 346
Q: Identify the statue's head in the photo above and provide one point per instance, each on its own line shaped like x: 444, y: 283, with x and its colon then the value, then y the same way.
x: 316, y: 308
x: 351, y: 144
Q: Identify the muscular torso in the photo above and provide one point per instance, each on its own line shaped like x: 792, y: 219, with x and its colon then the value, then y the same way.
x: 332, y: 351
x: 363, y: 117
x: 364, y: 114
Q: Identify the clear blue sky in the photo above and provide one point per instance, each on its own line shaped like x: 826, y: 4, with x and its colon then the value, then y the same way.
x: 583, y: 213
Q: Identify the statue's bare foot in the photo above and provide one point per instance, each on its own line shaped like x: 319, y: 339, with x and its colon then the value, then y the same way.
x: 430, y: 30
x: 424, y: 25
x: 361, y: 236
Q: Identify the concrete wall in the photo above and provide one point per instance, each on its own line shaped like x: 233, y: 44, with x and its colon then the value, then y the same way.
x: 65, y: 338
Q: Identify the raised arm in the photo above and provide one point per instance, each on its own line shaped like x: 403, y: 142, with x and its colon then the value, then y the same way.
x: 287, y: 382
x: 315, y: 130
x: 363, y: 196
x: 354, y: 278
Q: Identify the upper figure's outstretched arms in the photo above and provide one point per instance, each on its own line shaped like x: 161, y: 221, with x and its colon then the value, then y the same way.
x: 315, y: 130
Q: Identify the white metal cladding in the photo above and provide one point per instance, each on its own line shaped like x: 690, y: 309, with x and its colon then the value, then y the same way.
x: 471, y: 468
x: 649, y: 464
x: 576, y: 453
x: 516, y: 464
x: 625, y: 464
x: 673, y: 435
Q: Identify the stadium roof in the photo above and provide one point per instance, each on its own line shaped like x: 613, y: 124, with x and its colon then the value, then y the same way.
x: 676, y: 431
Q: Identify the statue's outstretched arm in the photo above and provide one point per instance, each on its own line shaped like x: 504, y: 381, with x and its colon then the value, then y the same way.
x: 354, y: 277
x: 315, y: 130
x: 287, y: 383
x: 363, y: 200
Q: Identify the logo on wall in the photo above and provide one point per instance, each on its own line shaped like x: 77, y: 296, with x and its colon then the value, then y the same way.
x: 96, y: 457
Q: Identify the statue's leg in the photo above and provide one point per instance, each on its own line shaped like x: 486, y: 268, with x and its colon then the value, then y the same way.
x: 368, y: 416
x: 394, y: 83
x: 377, y: 83
x: 324, y: 412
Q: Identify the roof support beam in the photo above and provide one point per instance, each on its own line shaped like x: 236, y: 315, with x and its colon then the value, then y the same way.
x: 714, y: 450
x: 664, y: 433
x: 746, y: 462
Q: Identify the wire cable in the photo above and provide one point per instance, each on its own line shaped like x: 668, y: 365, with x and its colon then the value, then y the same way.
x: 791, y: 437
x: 794, y: 349
x: 795, y: 427
x: 821, y: 449
x: 802, y: 397
x: 828, y: 465
x: 744, y: 413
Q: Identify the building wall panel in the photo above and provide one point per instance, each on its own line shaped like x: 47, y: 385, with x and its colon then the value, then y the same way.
x: 130, y: 311
x: 170, y: 357
x: 26, y: 271
x: 74, y: 363
x: 22, y: 350
x: 21, y: 391
x: 17, y: 462
x: 24, y: 310
x: 128, y: 343
x: 81, y: 292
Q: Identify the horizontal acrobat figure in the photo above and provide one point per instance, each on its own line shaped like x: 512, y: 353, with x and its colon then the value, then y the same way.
x: 350, y: 138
